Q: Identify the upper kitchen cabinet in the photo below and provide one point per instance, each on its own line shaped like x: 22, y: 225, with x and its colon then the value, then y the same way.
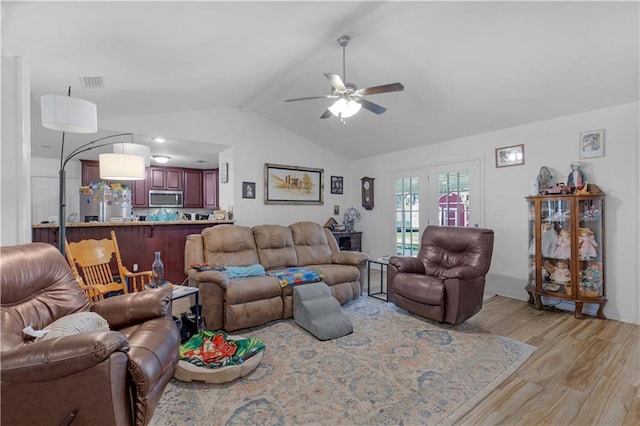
x: 210, y: 187
x: 165, y: 178
x: 90, y: 172
x: 193, y: 188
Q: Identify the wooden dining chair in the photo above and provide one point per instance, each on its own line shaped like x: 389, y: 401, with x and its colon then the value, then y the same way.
x: 91, y: 261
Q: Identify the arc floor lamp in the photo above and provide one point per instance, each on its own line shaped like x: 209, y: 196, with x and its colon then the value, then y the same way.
x: 68, y: 114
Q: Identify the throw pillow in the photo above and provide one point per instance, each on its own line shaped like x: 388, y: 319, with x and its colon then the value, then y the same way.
x: 80, y: 322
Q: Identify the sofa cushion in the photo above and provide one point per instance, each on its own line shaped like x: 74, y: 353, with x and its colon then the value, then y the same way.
x: 275, y: 246
x: 335, y: 274
x: 310, y: 241
x: 229, y: 245
x: 244, y: 290
x: 420, y: 288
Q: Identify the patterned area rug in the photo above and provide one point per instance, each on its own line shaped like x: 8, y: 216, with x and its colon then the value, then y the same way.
x: 395, y: 368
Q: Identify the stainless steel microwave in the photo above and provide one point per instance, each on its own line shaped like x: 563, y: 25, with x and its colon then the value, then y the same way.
x: 165, y: 198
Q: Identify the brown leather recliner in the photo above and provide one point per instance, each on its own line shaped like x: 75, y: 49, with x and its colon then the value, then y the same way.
x: 445, y: 282
x: 95, y: 378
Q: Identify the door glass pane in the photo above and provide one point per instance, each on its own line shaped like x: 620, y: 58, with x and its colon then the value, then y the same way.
x: 407, y: 216
x: 453, y: 198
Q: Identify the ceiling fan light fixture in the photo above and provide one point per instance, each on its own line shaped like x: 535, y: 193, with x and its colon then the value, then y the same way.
x: 344, y: 108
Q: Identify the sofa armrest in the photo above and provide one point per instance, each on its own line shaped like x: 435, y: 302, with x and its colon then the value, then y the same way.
x: 63, y: 356
x: 462, y: 272
x: 409, y: 265
x: 215, y: 277
x: 349, y: 258
x: 134, y: 308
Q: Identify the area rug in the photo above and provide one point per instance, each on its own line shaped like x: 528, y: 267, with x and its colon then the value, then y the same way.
x: 395, y: 368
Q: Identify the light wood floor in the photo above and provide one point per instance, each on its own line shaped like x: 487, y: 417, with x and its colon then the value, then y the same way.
x: 584, y: 372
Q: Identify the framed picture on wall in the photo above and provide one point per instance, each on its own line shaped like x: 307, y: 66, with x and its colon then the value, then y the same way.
x: 293, y: 185
x: 248, y: 190
x: 510, y: 156
x: 337, y: 183
x: 592, y: 144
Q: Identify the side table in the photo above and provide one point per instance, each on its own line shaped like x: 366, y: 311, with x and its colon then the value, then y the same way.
x: 180, y: 291
x: 384, y: 263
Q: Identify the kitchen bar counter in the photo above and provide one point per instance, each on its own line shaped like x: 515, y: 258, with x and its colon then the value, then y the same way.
x: 137, y: 241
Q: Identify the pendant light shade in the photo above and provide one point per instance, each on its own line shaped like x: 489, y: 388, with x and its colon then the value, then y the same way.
x: 68, y: 114
x: 344, y: 108
x: 134, y: 149
x: 121, y: 167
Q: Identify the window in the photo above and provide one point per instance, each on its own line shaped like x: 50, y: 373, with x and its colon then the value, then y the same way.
x: 453, y: 198
x: 407, y: 216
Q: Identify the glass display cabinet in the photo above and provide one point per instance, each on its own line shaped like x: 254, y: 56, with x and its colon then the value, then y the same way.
x: 566, y: 250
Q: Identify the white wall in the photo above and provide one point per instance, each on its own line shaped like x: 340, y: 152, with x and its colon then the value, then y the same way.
x: 552, y: 143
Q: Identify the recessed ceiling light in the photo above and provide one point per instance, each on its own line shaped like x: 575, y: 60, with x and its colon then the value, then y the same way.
x: 159, y: 139
x: 160, y: 158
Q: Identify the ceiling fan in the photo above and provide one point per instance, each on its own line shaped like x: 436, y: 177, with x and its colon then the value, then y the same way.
x: 349, y: 98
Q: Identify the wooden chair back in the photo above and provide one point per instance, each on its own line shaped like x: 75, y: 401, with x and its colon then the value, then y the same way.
x: 91, y: 263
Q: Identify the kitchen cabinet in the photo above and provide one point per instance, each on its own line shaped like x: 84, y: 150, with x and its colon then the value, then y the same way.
x: 210, y: 188
x: 193, y: 188
x: 90, y: 172
x: 566, y: 250
x: 140, y: 192
x: 169, y: 178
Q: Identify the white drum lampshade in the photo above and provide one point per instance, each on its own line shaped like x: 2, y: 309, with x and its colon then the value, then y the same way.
x: 134, y: 149
x: 68, y: 114
x: 121, y: 167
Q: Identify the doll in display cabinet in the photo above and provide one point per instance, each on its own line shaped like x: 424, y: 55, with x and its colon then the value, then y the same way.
x: 563, y: 251
x: 588, y: 244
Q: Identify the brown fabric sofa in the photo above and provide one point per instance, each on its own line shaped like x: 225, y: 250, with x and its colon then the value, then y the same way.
x: 445, y: 281
x: 232, y: 304
x: 97, y: 378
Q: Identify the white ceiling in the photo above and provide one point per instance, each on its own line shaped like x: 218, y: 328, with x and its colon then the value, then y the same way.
x: 467, y: 67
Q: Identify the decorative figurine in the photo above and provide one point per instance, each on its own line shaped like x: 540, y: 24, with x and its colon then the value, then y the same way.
x: 561, y: 274
x: 576, y: 177
x: 591, y: 278
x: 549, y: 240
x: 563, y: 251
x: 545, y: 178
x: 587, y: 244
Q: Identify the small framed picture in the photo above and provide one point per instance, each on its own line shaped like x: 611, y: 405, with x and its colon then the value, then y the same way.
x: 336, y: 184
x: 336, y: 210
x: 510, y: 156
x: 592, y: 144
x: 248, y: 190
x: 224, y: 172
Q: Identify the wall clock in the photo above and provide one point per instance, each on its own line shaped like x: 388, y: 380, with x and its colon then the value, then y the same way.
x: 367, y: 192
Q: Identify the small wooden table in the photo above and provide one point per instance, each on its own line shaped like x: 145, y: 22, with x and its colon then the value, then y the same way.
x: 180, y: 291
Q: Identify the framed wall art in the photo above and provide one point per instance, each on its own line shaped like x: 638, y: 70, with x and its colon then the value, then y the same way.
x: 510, y: 156
x: 293, y: 185
x: 248, y: 190
x: 337, y: 183
x: 224, y: 172
x: 592, y: 144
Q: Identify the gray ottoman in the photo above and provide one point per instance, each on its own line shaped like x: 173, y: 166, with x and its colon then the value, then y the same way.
x: 318, y: 312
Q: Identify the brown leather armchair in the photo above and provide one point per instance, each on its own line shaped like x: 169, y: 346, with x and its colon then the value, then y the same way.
x: 445, y: 282
x: 111, y: 377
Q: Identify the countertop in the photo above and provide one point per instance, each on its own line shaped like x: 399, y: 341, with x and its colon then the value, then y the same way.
x: 138, y: 223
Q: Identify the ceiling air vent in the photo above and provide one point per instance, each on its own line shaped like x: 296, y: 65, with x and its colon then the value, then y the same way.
x: 92, y: 82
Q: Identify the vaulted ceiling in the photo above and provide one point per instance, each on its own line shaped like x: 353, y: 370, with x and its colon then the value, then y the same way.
x: 467, y: 67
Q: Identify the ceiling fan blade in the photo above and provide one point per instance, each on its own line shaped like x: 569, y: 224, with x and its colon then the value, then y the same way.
x: 385, y: 88
x: 311, y: 97
x: 336, y: 81
x: 371, y: 106
x: 326, y: 114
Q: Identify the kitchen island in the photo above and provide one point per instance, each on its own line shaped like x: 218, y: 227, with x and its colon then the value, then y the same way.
x: 137, y: 241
